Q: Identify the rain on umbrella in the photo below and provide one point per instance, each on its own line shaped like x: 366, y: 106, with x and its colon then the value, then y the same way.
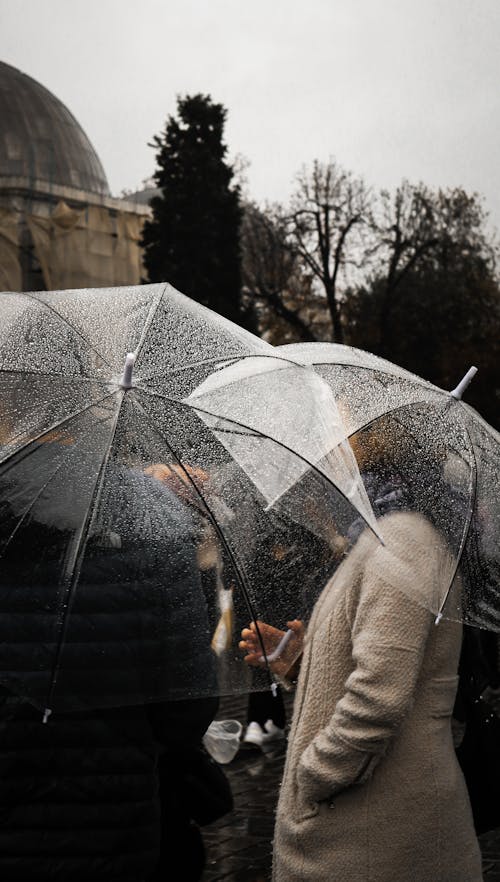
x: 422, y: 448
x: 272, y: 401
x: 264, y: 409
x: 87, y: 524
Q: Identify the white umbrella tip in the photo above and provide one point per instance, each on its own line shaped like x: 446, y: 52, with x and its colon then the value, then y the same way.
x: 126, y: 380
x: 459, y: 390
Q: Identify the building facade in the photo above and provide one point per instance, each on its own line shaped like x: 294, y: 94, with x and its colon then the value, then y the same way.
x: 59, y: 225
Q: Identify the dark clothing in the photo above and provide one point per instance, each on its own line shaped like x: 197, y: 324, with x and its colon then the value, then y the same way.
x: 182, y: 840
x: 264, y: 706
x: 133, y: 625
x: 186, y: 848
x: 79, y: 800
x: 478, y: 752
x: 80, y: 796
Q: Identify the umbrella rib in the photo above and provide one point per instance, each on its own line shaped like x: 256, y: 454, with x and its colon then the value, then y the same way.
x: 225, y: 362
x: 147, y: 324
x: 69, y: 325
x: 255, y: 433
x: 192, y: 364
x: 62, y: 377
x: 390, y: 410
x: 239, y: 573
x: 53, y: 427
x: 383, y: 370
x: 465, y: 534
x: 27, y: 511
x: 244, y: 434
x: 73, y: 564
x: 31, y: 506
x: 489, y: 430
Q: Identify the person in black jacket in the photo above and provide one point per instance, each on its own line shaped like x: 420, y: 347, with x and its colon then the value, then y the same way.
x: 96, y: 658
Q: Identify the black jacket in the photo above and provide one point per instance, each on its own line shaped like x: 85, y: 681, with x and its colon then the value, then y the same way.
x: 79, y: 794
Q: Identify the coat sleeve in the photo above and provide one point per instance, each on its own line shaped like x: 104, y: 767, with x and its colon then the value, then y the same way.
x: 390, y: 622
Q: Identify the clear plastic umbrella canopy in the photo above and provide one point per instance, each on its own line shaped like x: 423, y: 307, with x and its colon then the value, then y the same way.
x: 152, y: 504
x: 423, y: 449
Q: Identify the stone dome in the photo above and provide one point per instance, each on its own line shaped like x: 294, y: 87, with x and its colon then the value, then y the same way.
x: 40, y: 140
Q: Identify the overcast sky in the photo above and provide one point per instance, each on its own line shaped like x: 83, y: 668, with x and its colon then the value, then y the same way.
x: 391, y: 89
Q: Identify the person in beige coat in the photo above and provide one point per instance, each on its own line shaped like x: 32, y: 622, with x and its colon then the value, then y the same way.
x: 372, y: 791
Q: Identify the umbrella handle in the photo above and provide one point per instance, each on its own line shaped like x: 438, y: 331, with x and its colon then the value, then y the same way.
x: 462, y: 386
x: 126, y: 380
x: 280, y: 647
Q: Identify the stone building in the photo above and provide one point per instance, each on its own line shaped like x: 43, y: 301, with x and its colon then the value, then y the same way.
x: 59, y: 225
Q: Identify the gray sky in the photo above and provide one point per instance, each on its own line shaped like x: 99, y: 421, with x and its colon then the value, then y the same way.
x: 391, y: 89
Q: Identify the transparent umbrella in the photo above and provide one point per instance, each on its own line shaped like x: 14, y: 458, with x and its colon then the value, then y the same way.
x: 134, y: 544
x: 278, y: 409
x: 422, y: 448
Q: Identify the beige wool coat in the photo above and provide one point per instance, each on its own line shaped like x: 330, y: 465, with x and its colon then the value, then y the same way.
x: 372, y: 791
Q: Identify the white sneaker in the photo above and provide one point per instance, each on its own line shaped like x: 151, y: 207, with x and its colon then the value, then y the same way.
x: 272, y: 732
x: 254, y: 735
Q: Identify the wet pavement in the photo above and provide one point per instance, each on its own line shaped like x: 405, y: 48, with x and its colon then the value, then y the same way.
x: 239, y: 845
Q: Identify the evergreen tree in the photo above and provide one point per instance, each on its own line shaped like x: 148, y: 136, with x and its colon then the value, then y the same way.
x: 192, y: 240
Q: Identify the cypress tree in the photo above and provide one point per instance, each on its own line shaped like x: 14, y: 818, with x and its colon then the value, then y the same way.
x: 192, y: 240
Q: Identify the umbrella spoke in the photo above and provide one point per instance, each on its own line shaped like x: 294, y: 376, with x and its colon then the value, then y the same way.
x: 192, y: 365
x: 60, y: 377
x: 24, y: 515
x: 51, y: 308
x: 76, y: 554
x: 153, y: 309
x: 338, y: 355
x: 185, y: 332
x: 467, y: 524
x: 53, y: 428
x: 221, y: 362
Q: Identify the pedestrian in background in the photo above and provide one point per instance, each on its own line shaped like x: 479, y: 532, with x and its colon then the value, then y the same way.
x: 266, y: 719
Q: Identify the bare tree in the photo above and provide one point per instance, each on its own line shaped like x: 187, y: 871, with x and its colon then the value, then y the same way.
x: 328, y: 208
x: 431, y: 302
x: 418, y: 230
x: 405, y: 231
x: 270, y: 272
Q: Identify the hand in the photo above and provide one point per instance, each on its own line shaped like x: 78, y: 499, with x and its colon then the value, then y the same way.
x: 286, y: 664
x: 178, y: 479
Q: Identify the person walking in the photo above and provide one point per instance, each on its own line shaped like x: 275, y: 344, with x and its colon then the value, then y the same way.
x: 372, y: 790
